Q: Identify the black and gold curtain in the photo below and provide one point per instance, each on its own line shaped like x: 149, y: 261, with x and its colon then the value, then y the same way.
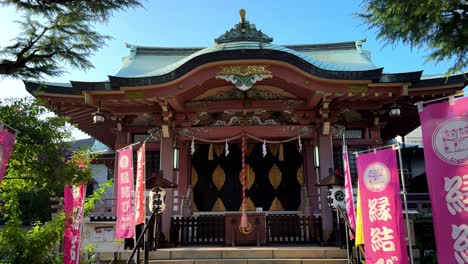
x: 273, y: 182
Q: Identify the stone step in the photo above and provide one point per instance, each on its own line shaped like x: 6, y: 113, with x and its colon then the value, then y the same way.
x: 251, y: 261
x: 239, y: 255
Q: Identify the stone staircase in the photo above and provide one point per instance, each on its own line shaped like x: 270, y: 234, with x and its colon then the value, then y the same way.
x: 239, y: 255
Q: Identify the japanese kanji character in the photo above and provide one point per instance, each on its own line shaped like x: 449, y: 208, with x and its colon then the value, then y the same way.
x: 125, y: 222
x: 382, y: 239
x: 460, y: 235
x: 126, y: 192
x: 125, y: 206
x: 379, y: 209
x: 124, y: 178
x: 457, y: 194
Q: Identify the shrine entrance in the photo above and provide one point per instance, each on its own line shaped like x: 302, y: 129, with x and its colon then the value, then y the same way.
x: 274, y: 177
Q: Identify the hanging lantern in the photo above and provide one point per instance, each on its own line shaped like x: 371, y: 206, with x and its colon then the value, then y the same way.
x: 176, y: 157
x: 394, y: 111
x: 98, y: 117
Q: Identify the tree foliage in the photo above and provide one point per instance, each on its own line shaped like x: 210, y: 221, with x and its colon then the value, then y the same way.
x: 55, y: 32
x: 441, y: 25
x: 41, y: 163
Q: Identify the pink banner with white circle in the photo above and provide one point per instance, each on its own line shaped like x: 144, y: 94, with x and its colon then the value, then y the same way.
x: 140, y: 187
x: 6, y: 145
x: 382, y: 217
x: 348, y: 191
x: 125, y: 222
x: 73, y: 207
x: 445, y: 139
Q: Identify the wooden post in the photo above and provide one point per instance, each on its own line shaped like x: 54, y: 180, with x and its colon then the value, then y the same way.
x: 168, y: 174
x: 184, y: 172
x: 326, y: 162
x: 310, y: 180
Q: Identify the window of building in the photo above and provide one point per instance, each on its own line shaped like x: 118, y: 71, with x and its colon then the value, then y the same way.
x: 354, y: 133
x: 338, y: 160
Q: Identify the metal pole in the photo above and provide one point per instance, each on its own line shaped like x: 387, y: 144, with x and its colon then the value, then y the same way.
x: 338, y: 231
x: 153, y: 215
x: 405, y: 202
x: 347, y: 243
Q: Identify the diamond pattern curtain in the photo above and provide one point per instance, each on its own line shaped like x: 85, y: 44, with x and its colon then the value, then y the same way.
x: 272, y: 184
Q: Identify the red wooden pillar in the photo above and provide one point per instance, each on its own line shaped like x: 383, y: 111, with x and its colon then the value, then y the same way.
x: 326, y: 162
x: 167, y: 157
x: 184, y: 168
x: 310, y: 177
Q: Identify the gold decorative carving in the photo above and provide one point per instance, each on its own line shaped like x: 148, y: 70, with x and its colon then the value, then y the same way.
x: 135, y: 95
x: 354, y: 89
x: 244, y: 70
x: 244, y: 76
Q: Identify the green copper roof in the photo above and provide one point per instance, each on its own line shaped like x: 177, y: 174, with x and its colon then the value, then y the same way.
x: 147, y: 61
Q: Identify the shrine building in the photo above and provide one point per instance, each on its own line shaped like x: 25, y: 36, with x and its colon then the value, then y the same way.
x: 291, y: 104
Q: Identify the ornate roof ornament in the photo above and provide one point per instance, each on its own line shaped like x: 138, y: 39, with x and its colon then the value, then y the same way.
x: 243, y: 31
x: 244, y: 76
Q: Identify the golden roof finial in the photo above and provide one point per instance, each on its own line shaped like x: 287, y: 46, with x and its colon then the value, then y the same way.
x: 242, y: 15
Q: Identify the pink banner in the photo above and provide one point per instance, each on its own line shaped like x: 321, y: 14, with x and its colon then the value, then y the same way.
x: 125, y: 223
x: 348, y: 191
x: 140, y: 187
x: 445, y: 139
x: 6, y: 145
x: 384, y: 232
x: 73, y: 207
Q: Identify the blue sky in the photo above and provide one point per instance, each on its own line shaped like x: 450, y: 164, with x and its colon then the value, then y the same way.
x: 179, y: 23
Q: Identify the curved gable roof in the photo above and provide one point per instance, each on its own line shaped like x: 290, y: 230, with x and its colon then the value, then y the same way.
x: 155, y: 61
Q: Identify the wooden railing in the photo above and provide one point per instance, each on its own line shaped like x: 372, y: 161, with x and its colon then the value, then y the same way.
x: 293, y: 229
x: 194, y: 230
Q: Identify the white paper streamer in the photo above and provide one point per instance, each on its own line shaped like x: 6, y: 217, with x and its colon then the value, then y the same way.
x: 264, y: 148
x: 299, y: 142
x: 192, y: 146
x: 226, y: 148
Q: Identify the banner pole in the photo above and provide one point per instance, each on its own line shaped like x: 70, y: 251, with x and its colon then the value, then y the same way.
x: 128, y: 146
x: 374, y: 149
x: 405, y: 202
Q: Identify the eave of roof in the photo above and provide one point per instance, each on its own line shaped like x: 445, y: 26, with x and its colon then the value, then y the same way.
x: 290, y: 54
